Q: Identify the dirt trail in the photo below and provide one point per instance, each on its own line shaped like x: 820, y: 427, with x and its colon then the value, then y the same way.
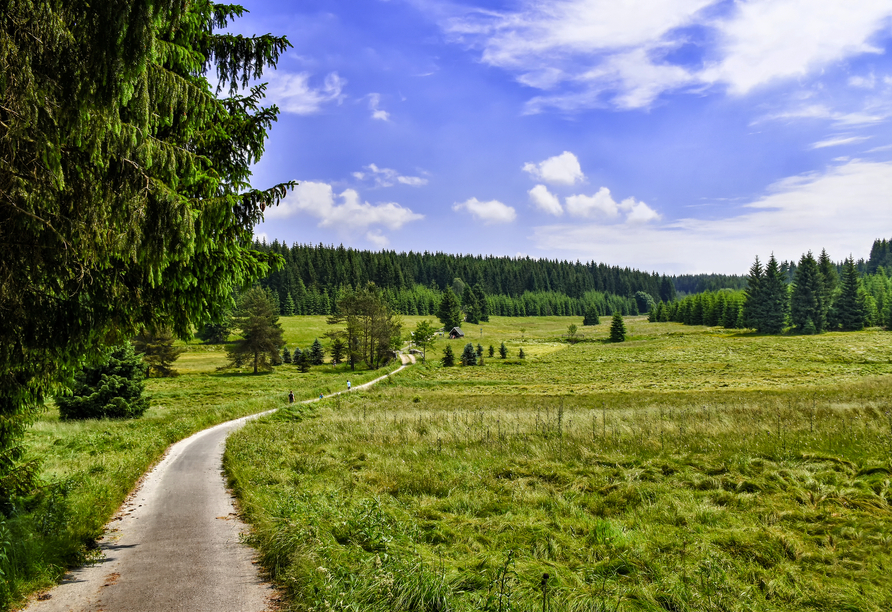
x: 174, y: 544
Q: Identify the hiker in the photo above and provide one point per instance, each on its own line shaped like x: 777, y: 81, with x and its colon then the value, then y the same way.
x: 348, y: 385
x: 291, y: 397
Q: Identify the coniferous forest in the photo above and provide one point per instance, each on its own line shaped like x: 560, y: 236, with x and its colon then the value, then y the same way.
x: 809, y: 296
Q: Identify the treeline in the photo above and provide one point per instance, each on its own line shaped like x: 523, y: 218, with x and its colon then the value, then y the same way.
x: 313, y: 275
x: 722, y: 308
x: 819, y: 295
x: 424, y: 301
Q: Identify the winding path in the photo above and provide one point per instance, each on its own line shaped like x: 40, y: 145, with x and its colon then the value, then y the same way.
x: 174, y: 544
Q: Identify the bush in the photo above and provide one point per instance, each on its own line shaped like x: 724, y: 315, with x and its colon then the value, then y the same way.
x: 591, y: 316
x: 111, y: 389
x: 503, y: 351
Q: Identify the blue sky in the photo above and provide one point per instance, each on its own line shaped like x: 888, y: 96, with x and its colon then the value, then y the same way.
x: 669, y: 135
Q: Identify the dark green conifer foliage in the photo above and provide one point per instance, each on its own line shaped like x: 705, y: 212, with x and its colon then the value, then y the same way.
x: 807, y: 306
x: 317, y: 353
x: 448, y: 356
x: 286, y: 355
x: 503, y: 351
x: 521, y: 354
x: 288, y: 308
x: 753, y: 305
x: 110, y: 389
x: 482, y: 303
x: 216, y: 333
x: 667, y: 290
x: 617, y: 328
x: 158, y: 351
x: 479, y: 350
x: 126, y: 196
x: 297, y: 356
x: 591, y: 315
x: 775, y: 299
x: 336, y: 351
x: 260, y: 331
x: 469, y: 356
x: 469, y: 305
x: 304, y: 362
x: 644, y: 300
x: 850, y: 304
x: 449, y: 311
x: 491, y: 351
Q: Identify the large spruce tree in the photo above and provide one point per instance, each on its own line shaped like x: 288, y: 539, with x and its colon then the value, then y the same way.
x: 849, y: 307
x: 125, y: 196
x: 808, y: 310
x: 261, y: 339
x: 449, y: 310
x: 753, y: 304
x: 775, y: 299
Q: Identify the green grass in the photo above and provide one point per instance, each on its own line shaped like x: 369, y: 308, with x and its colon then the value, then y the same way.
x: 686, y: 469
x: 89, y: 467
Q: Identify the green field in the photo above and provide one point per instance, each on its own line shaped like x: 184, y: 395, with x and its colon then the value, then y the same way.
x: 689, y: 468
x: 89, y: 467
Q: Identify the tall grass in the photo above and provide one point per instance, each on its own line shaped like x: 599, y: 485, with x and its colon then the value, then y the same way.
x: 460, y: 489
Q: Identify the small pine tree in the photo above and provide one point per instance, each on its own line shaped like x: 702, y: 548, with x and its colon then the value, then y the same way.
x: 491, y: 351
x: 448, y: 357
x: 317, y: 353
x: 303, y: 362
x: 158, y: 351
x: 479, y: 350
x: 296, y: 356
x: 469, y: 356
x: 889, y: 320
x: 591, y: 315
x: 449, y: 310
x: 286, y: 355
x: 850, y: 304
x: 288, y: 308
x: 110, y: 389
x: 503, y: 351
x: 338, y: 347
x: 617, y: 328
x: 521, y: 354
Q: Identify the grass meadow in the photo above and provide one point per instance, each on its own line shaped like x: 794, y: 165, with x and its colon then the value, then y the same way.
x: 688, y: 468
x: 89, y: 467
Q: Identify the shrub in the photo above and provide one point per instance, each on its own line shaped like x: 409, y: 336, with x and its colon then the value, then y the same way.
x: 110, y: 389
x: 503, y: 351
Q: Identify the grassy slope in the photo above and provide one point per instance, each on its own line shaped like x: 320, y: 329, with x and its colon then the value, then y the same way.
x: 686, y: 469
x: 89, y: 467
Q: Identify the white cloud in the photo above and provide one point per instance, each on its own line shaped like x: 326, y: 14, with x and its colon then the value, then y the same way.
x: 561, y: 169
x: 293, y: 94
x: 374, y: 101
x: 600, y: 204
x: 765, y: 40
x: 868, y: 82
x: 839, y: 209
x: 489, y: 212
x: 546, y: 201
x: 839, y: 140
x: 387, y: 177
x: 261, y: 237
x: 318, y: 200
x: 378, y: 239
x: 590, y: 53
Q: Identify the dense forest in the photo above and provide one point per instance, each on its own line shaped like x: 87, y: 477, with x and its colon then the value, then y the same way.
x: 313, y: 277
x: 808, y: 297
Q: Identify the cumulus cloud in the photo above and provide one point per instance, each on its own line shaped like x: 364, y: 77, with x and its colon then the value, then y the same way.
x: 387, y: 177
x: 377, y: 113
x: 351, y: 214
x: 489, y: 212
x: 602, y: 205
x: 589, y: 53
x: 561, y: 169
x: 546, y: 201
x: 810, y: 211
x: 293, y: 94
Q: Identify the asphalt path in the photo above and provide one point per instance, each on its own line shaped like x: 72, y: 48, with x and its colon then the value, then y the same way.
x: 175, y: 543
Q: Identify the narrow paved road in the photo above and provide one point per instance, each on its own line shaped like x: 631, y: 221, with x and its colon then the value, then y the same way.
x: 174, y: 544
